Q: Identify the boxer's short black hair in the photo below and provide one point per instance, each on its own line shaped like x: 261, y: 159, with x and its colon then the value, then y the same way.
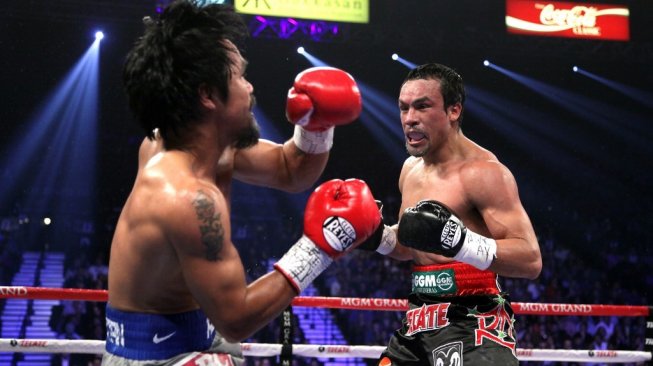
x: 451, y: 83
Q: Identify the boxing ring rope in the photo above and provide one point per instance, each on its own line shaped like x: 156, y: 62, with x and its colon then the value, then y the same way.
x: 323, y: 351
x: 350, y: 303
x: 338, y: 351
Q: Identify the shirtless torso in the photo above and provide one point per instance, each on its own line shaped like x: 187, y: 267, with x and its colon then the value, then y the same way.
x: 448, y: 167
x: 445, y: 184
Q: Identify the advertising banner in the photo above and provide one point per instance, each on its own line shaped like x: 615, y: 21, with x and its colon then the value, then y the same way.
x: 568, y: 19
x: 352, y: 11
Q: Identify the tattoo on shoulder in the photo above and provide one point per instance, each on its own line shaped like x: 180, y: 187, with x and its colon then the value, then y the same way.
x: 211, y: 228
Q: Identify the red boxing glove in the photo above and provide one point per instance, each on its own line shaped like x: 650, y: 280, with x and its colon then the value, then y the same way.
x: 340, y: 215
x: 322, y: 97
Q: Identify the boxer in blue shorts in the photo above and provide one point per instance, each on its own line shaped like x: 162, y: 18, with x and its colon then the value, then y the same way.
x: 178, y: 293
x: 166, y: 339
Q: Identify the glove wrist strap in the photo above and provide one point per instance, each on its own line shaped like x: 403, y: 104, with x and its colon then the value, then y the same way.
x: 477, y: 250
x: 388, y: 241
x: 313, y: 142
x: 303, y: 262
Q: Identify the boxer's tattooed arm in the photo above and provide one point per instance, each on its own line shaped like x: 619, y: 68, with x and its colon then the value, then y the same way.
x: 211, y: 228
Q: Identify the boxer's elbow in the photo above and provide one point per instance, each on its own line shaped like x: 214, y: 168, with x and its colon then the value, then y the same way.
x: 298, y: 182
x: 235, y: 333
x: 533, y: 267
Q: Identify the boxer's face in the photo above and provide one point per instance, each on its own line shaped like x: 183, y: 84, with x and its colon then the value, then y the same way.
x: 425, y: 122
x: 239, y: 106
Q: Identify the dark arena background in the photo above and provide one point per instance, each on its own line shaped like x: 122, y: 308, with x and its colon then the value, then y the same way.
x: 571, y: 118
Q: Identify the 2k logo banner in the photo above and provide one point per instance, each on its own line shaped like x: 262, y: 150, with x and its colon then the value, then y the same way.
x: 451, y: 354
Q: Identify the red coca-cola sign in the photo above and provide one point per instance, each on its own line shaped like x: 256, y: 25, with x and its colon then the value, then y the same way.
x: 568, y: 19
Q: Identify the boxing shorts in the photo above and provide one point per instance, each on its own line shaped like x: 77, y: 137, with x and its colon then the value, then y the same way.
x: 182, y: 339
x: 457, y: 316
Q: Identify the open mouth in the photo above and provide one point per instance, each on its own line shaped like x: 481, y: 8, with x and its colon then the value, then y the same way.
x: 415, y: 137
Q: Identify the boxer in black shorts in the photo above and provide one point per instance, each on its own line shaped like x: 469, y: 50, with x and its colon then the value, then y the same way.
x: 440, y: 329
x: 462, y: 224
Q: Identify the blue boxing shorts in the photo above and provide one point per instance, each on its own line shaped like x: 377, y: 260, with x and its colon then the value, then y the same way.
x: 182, y: 339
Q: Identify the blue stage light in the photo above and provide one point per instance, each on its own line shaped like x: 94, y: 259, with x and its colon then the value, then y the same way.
x: 403, y: 61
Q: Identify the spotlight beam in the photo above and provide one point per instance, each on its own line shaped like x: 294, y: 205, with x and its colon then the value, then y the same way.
x: 641, y: 96
x: 53, y: 163
x: 554, y: 149
x: 629, y: 129
x: 403, y: 61
x: 312, y: 59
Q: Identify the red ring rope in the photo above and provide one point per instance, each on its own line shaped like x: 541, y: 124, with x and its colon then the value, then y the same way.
x: 352, y: 303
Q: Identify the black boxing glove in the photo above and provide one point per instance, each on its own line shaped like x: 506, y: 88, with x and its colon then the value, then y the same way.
x: 383, y: 240
x: 431, y: 227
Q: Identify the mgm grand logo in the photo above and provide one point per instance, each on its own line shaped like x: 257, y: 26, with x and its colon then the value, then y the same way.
x: 435, y: 282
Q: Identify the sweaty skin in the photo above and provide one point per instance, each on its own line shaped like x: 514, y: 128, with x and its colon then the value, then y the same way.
x: 172, y: 249
x: 448, y: 167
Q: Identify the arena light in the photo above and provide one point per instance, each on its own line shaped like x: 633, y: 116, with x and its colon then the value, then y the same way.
x: 489, y: 64
x: 63, y: 181
x: 403, y: 61
x: 300, y: 50
x: 99, y: 35
x: 602, y: 116
x: 312, y: 59
x: 549, y: 140
x: 574, y: 69
x: 639, y: 95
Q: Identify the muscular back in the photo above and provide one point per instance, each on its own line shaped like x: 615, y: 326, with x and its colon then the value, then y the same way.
x: 148, y: 277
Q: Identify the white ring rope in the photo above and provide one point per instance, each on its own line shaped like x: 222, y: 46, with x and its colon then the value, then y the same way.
x: 331, y: 351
